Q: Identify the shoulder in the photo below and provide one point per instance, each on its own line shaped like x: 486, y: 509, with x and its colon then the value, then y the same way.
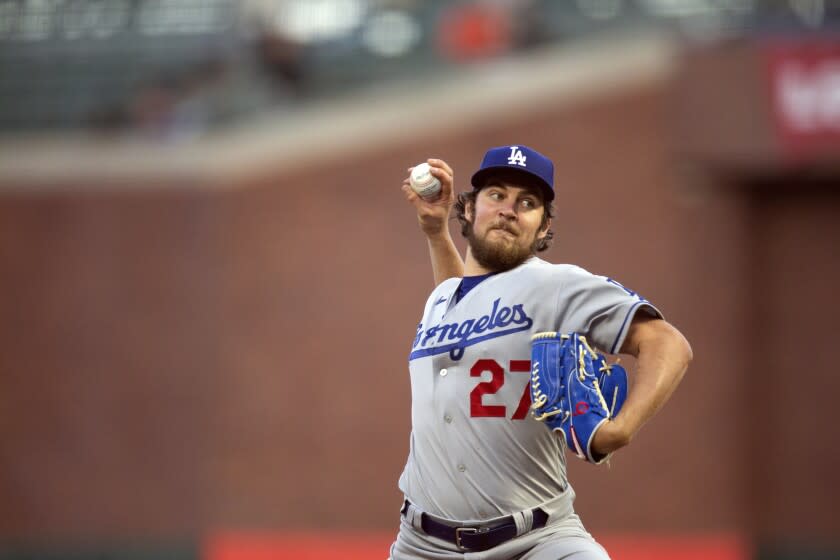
x: 570, y: 278
x: 443, y: 290
x: 447, y: 286
x: 538, y: 267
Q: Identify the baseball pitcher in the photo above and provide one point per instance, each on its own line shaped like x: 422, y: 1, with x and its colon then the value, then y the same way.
x: 507, y: 373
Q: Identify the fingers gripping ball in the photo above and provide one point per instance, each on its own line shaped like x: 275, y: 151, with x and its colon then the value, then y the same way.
x: 574, y: 390
x: 423, y: 182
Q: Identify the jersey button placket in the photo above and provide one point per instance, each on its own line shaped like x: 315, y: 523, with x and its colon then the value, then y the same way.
x: 443, y: 372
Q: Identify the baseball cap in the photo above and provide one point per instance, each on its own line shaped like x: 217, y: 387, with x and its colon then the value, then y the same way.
x: 521, y: 159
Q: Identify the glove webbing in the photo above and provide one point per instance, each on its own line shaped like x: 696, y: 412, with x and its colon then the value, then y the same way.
x: 582, y: 368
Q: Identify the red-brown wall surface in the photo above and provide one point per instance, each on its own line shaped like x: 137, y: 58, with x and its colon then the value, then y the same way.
x: 177, y: 361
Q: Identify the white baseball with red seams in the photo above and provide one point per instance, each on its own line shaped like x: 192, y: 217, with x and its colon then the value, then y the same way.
x: 423, y: 182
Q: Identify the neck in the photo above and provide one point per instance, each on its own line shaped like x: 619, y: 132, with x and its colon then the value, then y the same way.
x: 471, y: 266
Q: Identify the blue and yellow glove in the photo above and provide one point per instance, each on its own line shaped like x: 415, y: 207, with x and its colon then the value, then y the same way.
x: 573, y: 389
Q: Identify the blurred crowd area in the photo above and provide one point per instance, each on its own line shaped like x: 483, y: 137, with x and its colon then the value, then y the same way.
x: 176, y: 68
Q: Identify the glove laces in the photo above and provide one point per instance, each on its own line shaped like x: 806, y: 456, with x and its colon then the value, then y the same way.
x: 540, y: 398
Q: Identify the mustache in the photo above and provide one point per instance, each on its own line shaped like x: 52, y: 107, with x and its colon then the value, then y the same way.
x: 504, y: 226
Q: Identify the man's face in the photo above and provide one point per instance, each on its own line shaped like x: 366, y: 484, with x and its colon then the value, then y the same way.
x: 505, y: 222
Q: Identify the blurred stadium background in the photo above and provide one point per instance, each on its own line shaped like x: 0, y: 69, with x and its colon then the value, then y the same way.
x: 210, y: 280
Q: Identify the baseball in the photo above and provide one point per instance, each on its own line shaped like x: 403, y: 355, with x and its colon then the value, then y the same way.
x: 423, y: 182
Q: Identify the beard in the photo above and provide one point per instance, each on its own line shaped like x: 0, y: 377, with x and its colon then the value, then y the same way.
x: 499, y: 256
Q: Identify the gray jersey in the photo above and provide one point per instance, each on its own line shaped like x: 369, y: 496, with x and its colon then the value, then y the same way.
x: 475, y: 452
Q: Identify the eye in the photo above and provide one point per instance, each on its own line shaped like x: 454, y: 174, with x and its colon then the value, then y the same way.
x: 495, y: 195
x: 529, y: 203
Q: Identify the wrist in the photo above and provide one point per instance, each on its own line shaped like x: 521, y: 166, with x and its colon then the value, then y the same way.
x: 611, y: 436
x: 623, y: 429
x: 438, y: 234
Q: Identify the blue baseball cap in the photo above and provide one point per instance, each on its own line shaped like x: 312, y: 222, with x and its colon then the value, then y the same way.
x: 521, y: 159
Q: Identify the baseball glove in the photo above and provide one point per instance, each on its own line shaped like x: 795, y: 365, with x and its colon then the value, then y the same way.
x: 573, y: 389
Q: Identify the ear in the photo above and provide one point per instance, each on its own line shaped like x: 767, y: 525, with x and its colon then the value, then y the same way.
x: 469, y: 211
x: 544, y: 231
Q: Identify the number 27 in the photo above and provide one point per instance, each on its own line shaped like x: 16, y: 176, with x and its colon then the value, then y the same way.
x: 480, y: 410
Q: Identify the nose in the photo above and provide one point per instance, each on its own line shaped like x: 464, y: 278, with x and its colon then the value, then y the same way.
x: 507, y: 211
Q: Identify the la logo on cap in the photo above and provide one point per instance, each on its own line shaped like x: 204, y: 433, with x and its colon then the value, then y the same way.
x: 516, y: 157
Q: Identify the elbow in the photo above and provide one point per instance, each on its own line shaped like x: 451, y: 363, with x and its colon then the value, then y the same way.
x: 662, y: 338
x: 677, y: 345
x: 685, y: 352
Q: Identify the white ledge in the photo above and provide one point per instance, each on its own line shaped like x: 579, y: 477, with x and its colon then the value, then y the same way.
x: 503, y: 91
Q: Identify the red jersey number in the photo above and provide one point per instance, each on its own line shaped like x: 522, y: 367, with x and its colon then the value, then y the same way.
x: 477, y: 407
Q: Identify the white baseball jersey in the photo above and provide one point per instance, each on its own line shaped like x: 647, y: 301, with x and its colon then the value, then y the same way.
x: 476, y: 452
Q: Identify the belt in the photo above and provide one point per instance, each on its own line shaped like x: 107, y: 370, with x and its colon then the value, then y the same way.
x: 476, y: 538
